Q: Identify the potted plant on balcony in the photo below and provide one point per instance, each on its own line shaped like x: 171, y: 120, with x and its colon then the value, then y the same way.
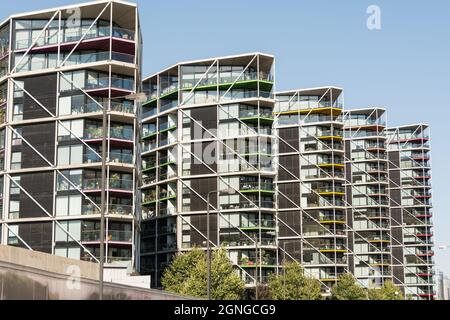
x: 245, y: 261
x: 115, y: 180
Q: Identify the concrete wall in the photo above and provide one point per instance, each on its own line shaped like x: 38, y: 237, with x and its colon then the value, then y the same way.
x: 29, y: 275
x: 49, y: 263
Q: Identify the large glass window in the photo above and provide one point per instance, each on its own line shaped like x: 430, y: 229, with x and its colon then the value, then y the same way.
x: 70, y: 81
x: 76, y: 128
x: 16, y: 160
x: 65, y: 228
x: 74, y: 176
x: 14, y: 209
x: 68, y: 205
x: 70, y: 155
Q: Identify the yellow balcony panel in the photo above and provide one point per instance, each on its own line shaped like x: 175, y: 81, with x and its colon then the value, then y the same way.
x: 326, y: 110
x: 379, y: 241
x: 333, y: 251
x: 332, y: 222
x: 331, y: 165
x: 332, y: 193
x: 329, y: 280
x: 336, y: 138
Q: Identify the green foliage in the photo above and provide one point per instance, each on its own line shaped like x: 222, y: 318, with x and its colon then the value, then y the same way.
x: 293, y: 284
x: 187, y: 275
x: 347, y: 289
x: 387, y: 292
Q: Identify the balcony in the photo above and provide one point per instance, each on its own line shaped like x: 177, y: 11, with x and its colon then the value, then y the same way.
x: 379, y: 239
x: 122, y: 135
x: 150, y: 146
x: 149, y: 199
x: 93, y: 236
x: 329, y: 277
x: 113, y: 209
x: 256, y: 187
x: 150, y: 113
x: 379, y: 262
x: 369, y: 122
x: 96, y: 107
x: 326, y: 202
x: 166, y: 127
x: 120, y: 158
x: 310, y: 107
x: 119, y: 86
x: 375, y: 146
x: 224, y: 81
x: 331, y: 163
x: 77, y: 58
x: 330, y: 248
x: 246, y: 204
x: 256, y: 224
x: 324, y: 260
x: 330, y: 135
x: 168, y: 105
x: 70, y: 36
x: 264, y: 262
x: 330, y: 191
x: 115, y: 185
x: 165, y: 195
x: 332, y: 219
x: 325, y: 146
x: 253, y: 116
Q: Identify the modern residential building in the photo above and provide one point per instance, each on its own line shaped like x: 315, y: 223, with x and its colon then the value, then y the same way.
x: 367, y: 183
x: 66, y: 74
x: 207, y: 145
x: 411, y: 208
x: 311, y: 181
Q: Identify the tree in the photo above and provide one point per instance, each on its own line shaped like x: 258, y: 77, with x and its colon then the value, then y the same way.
x: 187, y: 275
x: 293, y: 284
x: 387, y: 292
x: 346, y: 288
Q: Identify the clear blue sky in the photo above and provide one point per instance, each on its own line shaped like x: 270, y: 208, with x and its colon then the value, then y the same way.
x: 404, y: 67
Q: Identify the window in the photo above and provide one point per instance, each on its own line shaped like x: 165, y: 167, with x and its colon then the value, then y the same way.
x: 65, y: 106
x: 17, y: 137
x: 14, y: 209
x: 68, y: 205
x: 16, y: 160
x: 76, y: 128
x: 72, y: 81
x: 14, y: 188
x: 18, y: 112
x: 65, y: 227
x: 13, y: 233
x: 70, y: 155
x: 73, y: 176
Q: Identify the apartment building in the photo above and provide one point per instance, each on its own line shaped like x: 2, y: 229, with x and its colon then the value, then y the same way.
x: 207, y: 144
x: 411, y: 208
x: 311, y: 181
x: 67, y: 79
x: 367, y: 185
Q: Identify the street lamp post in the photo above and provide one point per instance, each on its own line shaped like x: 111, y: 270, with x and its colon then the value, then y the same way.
x: 208, y: 238
x: 103, y: 204
x: 257, y: 267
